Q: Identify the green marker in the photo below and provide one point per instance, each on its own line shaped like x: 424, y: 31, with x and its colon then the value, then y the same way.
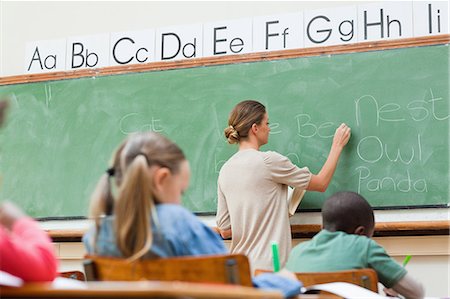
x: 276, y: 258
x: 406, y: 260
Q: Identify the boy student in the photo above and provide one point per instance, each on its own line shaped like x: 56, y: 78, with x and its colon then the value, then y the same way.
x: 344, y: 243
x: 25, y: 250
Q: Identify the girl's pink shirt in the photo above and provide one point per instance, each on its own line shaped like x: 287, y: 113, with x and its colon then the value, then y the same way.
x: 27, y: 252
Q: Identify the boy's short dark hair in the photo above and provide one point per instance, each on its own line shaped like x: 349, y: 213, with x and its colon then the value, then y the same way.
x: 345, y: 211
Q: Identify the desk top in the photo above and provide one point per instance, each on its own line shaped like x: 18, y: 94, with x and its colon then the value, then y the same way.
x: 138, y: 289
x: 145, y: 289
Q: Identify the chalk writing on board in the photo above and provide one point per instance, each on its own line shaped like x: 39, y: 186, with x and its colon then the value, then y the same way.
x: 418, y: 110
x: 307, y: 129
x: 378, y: 150
x: 133, y: 122
x: 373, y: 149
x: 433, y: 100
x: 275, y: 128
x: 218, y: 125
x: 407, y: 184
x: 48, y: 95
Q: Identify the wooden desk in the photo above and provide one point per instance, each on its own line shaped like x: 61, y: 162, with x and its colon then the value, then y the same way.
x: 146, y: 289
x: 138, y: 289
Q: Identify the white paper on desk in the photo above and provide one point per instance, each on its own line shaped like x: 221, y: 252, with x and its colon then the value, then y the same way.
x: 295, y: 196
x: 68, y: 283
x: 346, y: 290
x: 9, y: 280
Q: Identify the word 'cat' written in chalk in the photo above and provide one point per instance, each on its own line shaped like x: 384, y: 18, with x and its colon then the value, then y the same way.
x: 135, y: 122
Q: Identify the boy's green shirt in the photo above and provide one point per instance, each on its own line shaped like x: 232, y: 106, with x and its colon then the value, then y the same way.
x: 335, y: 251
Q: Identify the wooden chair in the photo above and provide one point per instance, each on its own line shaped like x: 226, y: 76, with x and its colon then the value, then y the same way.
x: 224, y: 269
x: 78, y: 275
x: 366, y: 278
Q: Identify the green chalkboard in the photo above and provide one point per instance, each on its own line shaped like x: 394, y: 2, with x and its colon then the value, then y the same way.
x: 60, y: 134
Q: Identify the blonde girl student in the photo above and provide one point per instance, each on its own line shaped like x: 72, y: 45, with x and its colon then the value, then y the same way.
x: 253, y: 186
x: 137, y: 204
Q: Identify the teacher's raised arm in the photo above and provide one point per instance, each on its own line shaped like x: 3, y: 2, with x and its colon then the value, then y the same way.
x: 321, y: 181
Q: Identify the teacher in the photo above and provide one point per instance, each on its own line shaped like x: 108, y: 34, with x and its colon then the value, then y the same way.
x: 253, y: 186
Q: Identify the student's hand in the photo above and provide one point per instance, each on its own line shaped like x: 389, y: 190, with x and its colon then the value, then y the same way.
x: 286, y: 273
x: 391, y: 293
x: 9, y: 214
x: 341, y: 136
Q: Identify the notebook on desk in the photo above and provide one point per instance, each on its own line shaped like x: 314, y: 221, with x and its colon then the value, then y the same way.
x: 345, y: 290
x: 9, y: 280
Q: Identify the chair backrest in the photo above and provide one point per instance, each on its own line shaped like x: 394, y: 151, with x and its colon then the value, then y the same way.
x: 78, y: 275
x: 225, y: 269
x: 366, y: 278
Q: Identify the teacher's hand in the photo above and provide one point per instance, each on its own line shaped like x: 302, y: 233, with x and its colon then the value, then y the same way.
x: 341, y: 136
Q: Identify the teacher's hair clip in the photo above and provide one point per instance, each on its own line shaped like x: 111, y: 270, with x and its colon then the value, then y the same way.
x: 110, y: 171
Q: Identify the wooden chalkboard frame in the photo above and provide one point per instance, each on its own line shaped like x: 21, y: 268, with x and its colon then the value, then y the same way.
x: 382, y: 229
x: 230, y: 59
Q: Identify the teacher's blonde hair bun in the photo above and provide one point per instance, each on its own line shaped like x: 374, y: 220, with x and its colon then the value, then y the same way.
x: 231, y: 134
